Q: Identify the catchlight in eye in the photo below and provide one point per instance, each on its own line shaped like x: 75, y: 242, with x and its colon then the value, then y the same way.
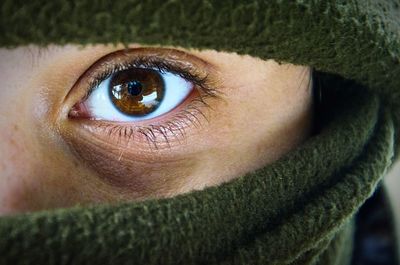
x: 137, y: 91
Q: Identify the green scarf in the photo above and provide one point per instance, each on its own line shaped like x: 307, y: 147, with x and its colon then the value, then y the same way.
x: 298, y: 210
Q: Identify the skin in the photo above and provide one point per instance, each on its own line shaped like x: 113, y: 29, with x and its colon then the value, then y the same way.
x: 48, y: 160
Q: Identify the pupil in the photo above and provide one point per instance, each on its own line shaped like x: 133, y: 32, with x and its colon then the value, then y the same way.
x: 135, y: 88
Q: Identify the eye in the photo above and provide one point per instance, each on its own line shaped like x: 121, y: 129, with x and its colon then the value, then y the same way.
x: 136, y: 94
x: 144, y: 95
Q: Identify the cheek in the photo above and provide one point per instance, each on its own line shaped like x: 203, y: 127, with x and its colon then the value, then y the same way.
x: 267, y: 118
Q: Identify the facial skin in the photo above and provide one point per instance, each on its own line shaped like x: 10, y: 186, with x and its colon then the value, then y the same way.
x: 50, y: 158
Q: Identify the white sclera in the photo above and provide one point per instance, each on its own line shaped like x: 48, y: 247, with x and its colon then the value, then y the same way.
x: 101, y: 107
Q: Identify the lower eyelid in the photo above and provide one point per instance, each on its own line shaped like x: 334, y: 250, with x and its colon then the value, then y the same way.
x: 161, y: 132
x: 165, y: 132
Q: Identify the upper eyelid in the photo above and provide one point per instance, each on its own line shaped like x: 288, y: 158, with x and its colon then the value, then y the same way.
x: 151, y: 53
x: 91, y: 76
x: 146, y: 62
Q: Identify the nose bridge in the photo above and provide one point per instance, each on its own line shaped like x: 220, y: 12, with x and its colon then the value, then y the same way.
x: 14, y: 163
x: 15, y: 141
x: 21, y: 154
x: 17, y: 148
x: 14, y: 101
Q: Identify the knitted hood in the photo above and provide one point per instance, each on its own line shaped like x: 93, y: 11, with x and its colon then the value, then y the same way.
x: 297, y: 210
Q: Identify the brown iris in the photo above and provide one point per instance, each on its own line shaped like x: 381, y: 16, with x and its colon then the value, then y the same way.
x: 137, y: 91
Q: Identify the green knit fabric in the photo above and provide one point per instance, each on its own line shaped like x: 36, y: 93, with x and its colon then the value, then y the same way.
x: 298, y: 210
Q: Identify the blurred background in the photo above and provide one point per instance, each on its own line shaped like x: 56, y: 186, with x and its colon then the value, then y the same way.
x: 392, y: 181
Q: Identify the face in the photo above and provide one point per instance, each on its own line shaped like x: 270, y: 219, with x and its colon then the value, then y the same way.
x: 104, y: 124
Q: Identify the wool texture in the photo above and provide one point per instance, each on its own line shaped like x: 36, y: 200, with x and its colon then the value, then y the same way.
x: 297, y: 210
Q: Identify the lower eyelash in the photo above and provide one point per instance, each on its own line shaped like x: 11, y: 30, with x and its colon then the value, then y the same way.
x: 160, y: 134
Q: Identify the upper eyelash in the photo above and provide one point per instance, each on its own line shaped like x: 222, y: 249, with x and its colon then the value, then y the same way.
x: 152, y: 62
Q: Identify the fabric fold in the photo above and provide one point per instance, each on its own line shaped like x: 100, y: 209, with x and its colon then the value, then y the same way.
x: 276, y: 215
x: 298, y: 210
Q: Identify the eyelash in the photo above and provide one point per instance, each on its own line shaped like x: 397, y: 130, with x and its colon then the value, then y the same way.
x: 179, y: 122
